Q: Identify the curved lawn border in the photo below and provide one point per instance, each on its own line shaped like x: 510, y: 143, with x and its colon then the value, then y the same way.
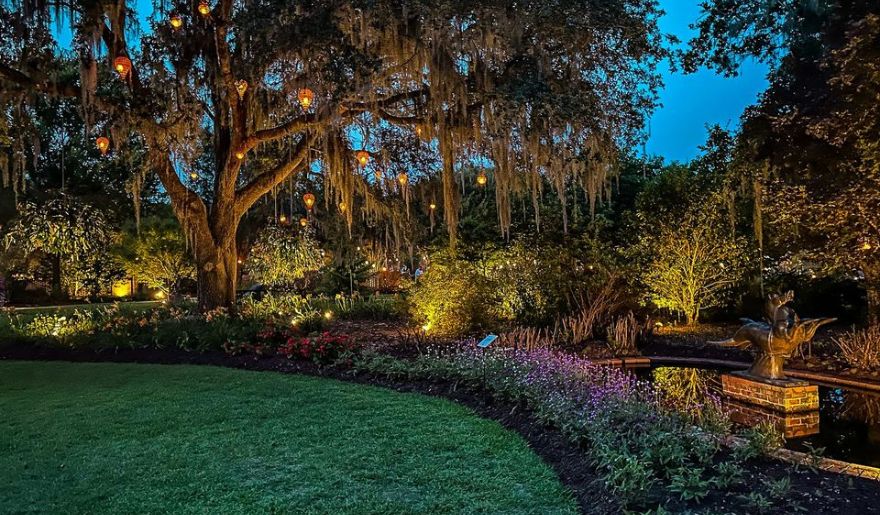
x: 568, y: 460
x: 114, y: 437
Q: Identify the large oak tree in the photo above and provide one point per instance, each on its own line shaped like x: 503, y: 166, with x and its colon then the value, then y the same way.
x: 537, y: 87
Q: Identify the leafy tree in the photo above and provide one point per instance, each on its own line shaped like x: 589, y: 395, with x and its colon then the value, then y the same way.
x: 811, y: 146
x: 280, y: 256
x: 696, y: 262
x: 157, y: 254
x: 520, y: 83
x: 69, y: 232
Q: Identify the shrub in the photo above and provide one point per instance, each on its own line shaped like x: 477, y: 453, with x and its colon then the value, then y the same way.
x: 325, y: 349
x: 374, y: 307
x: 623, y: 334
x: 452, y: 297
x: 285, y: 308
x: 861, y: 348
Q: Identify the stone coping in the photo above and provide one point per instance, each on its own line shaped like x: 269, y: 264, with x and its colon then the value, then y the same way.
x: 826, y: 464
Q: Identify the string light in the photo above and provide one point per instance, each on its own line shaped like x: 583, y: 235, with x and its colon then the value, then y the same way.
x: 482, y: 179
x: 175, y: 21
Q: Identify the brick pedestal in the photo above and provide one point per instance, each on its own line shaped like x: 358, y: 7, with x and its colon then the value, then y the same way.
x: 791, y: 425
x: 784, y: 396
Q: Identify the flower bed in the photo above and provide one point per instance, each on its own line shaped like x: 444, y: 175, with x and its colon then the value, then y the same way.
x: 647, y: 446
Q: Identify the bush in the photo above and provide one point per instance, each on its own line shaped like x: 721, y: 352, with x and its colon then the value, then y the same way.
x: 452, y: 297
x: 861, y: 349
x: 325, y: 349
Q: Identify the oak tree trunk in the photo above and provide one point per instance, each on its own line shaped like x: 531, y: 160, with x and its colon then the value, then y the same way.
x: 217, y: 276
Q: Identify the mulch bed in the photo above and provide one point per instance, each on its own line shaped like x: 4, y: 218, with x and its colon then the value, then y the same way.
x: 812, y: 491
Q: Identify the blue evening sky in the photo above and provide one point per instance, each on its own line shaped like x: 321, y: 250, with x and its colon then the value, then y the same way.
x: 688, y: 102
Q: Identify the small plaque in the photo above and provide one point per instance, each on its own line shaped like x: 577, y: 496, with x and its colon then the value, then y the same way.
x: 487, y: 341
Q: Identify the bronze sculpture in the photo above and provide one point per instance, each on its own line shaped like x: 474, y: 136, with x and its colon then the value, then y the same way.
x: 777, y: 338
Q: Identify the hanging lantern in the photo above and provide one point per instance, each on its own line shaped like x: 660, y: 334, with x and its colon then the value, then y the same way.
x: 175, y: 21
x: 103, y: 144
x: 342, y: 207
x: 239, y: 154
x: 282, y: 219
x: 309, y: 201
x: 403, y: 178
x: 204, y: 8
x: 433, y: 206
x: 482, y: 179
x: 363, y: 157
x: 305, y: 97
x: 241, y: 87
x: 303, y: 222
x: 122, y: 65
x: 193, y: 176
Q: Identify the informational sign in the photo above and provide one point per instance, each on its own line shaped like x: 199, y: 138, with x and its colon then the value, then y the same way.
x: 487, y: 341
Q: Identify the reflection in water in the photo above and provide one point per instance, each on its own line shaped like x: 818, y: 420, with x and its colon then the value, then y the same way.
x: 687, y: 389
x: 848, y: 421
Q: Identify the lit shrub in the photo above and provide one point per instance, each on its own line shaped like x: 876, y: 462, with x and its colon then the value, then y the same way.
x: 452, y: 297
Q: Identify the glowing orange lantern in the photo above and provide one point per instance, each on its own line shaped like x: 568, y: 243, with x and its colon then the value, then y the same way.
x: 403, y: 179
x: 204, y: 8
x: 103, y: 144
x: 363, y: 157
x: 303, y: 221
x: 175, y: 21
x: 309, y: 201
x: 122, y: 65
x: 342, y: 207
x: 239, y: 154
x: 282, y: 219
x: 241, y: 87
x: 433, y: 206
x: 482, y: 179
x: 305, y: 97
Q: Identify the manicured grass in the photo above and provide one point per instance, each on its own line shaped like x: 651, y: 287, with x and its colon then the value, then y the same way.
x: 176, y: 439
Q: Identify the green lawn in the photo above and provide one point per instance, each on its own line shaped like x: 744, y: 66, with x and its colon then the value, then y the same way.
x: 152, y: 438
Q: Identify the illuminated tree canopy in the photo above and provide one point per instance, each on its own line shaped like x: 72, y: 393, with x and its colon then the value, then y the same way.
x: 533, y: 89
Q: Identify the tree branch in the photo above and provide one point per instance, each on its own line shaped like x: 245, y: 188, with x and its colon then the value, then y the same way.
x: 263, y: 183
